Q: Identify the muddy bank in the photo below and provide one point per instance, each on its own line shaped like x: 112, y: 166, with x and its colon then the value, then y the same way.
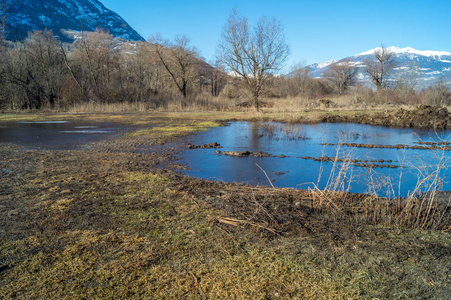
x: 422, y: 116
x: 109, y: 219
x: 213, y: 145
x: 431, y: 146
x: 248, y: 153
x: 356, y: 162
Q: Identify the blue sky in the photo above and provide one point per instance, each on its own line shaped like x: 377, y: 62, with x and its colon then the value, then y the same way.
x: 316, y: 31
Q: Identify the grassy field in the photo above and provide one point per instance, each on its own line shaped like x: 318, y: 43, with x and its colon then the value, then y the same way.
x: 112, y: 222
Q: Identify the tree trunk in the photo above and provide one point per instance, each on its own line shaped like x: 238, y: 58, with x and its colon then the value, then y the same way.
x: 256, y: 104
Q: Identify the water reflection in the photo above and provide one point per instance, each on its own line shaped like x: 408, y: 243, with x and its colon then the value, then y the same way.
x: 56, y: 134
x: 306, y: 140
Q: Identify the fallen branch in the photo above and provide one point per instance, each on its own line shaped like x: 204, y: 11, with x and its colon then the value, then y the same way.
x: 266, y: 176
x: 237, y: 222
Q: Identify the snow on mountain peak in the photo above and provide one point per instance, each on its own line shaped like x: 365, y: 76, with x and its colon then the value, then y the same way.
x: 407, y: 50
x: 326, y: 63
x: 429, y: 67
x: 317, y: 66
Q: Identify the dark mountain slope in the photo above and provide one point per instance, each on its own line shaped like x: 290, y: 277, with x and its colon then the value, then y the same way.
x: 56, y: 15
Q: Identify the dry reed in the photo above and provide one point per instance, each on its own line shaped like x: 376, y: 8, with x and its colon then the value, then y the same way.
x: 425, y: 207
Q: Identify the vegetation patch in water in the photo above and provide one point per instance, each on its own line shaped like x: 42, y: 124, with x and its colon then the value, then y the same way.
x: 176, y: 130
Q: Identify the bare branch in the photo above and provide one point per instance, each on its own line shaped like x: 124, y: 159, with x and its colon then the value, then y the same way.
x: 380, y: 67
x: 252, y: 56
x: 178, y: 58
x: 342, y: 75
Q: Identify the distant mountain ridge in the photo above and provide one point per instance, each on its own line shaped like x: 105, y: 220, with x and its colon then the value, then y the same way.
x: 409, y: 50
x: 57, y: 15
x: 427, y: 67
x: 317, y: 66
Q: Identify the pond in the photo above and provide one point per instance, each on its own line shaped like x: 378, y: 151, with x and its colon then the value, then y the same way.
x: 56, y: 134
x: 389, y: 162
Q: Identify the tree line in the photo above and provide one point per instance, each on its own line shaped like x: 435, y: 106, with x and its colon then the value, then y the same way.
x: 43, y: 72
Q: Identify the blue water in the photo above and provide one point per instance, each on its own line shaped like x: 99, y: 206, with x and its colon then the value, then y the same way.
x: 300, y: 140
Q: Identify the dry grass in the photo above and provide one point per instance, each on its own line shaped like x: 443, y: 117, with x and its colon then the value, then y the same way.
x: 130, y: 234
x: 174, y: 104
x: 106, y: 223
x: 425, y: 207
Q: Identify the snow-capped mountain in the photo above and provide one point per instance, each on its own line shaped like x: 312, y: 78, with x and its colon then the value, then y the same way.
x: 425, y: 67
x: 56, y: 15
x: 317, y: 66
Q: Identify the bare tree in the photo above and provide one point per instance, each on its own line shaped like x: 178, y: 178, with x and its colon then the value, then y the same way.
x: 217, y: 78
x: 301, y: 76
x: 3, y: 13
x: 179, y: 59
x: 96, y: 64
x: 141, y: 71
x: 342, y: 75
x: 3, y: 56
x: 380, y: 67
x: 46, y: 62
x: 438, y: 94
x: 252, y: 55
x: 35, y: 71
x: 407, y: 82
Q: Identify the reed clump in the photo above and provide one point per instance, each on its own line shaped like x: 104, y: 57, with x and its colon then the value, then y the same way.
x: 425, y: 207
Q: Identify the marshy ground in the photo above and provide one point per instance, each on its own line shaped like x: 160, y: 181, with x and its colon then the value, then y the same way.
x: 111, y: 221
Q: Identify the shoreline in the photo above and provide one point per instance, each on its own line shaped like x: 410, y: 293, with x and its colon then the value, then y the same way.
x: 109, y: 220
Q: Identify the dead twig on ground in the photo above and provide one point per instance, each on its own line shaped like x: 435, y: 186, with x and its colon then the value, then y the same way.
x: 269, y: 180
x: 237, y: 222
